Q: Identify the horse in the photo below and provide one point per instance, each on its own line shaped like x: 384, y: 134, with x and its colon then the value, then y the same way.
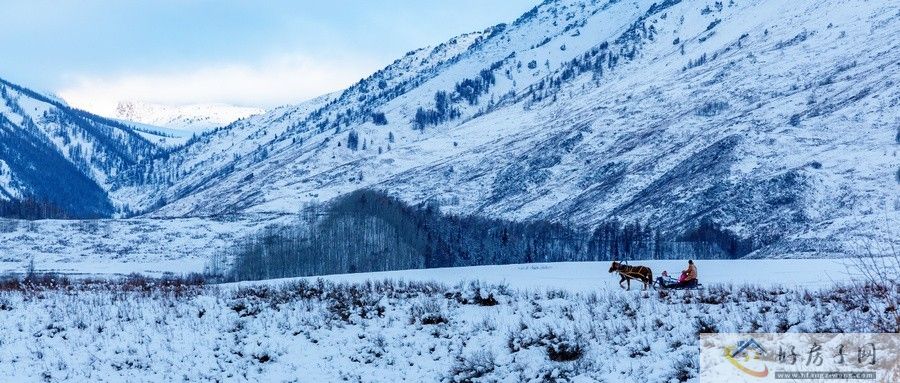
x: 641, y: 273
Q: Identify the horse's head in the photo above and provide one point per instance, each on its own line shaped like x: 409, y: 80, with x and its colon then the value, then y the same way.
x: 614, y: 267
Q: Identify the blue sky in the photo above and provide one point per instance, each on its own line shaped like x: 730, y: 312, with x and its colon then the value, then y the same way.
x: 253, y: 53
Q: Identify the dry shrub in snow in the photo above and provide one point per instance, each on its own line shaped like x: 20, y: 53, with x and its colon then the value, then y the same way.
x: 562, y: 344
x: 471, y: 367
x: 878, y: 284
x: 474, y: 293
x: 429, y: 311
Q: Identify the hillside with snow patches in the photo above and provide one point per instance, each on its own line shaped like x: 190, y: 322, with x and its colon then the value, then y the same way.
x: 778, y: 121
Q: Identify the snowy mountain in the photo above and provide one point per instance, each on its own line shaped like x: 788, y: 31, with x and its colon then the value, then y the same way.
x: 647, y: 132
x: 189, y: 118
x: 776, y: 121
x: 57, y: 161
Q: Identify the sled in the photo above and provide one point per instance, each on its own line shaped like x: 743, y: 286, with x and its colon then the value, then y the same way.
x: 672, y: 284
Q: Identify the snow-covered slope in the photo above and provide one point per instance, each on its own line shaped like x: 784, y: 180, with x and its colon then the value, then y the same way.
x: 210, y: 156
x: 188, y: 118
x: 160, y: 136
x: 775, y: 120
x: 65, y: 158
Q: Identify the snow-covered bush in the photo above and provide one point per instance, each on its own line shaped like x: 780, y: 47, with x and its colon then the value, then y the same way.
x: 685, y: 366
x: 351, y: 303
x: 5, y: 304
x: 475, y: 293
x: 470, y: 367
x: 429, y: 311
x: 563, y: 347
x: 562, y: 344
x: 706, y: 325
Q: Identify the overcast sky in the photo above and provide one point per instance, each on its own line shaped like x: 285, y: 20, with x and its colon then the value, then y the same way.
x: 265, y: 53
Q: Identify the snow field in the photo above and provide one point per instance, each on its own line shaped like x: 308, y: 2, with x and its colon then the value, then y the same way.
x: 593, y: 276
x: 389, y: 331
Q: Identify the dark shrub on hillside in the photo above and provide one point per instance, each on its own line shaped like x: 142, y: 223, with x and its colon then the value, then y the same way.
x: 379, y: 119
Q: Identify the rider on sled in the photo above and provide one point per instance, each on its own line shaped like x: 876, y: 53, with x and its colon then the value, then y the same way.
x: 688, y: 278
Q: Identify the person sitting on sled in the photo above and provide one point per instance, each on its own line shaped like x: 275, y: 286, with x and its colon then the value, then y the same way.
x: 688, y: 276
x: 665, y: 280
x: 687, y: 279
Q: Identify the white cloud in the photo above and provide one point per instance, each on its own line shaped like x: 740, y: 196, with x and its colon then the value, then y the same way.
x: 274, y: 81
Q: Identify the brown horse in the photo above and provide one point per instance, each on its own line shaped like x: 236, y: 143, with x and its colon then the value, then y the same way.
x: 641, y: 273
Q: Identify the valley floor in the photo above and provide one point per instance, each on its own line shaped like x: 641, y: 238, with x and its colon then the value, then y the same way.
x: 344, y: 328
x: 572, y: 276
x: 593, y: 276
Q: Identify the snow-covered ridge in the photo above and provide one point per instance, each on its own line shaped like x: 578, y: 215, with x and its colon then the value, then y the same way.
x: 776, y: 122
x: 189, y: 118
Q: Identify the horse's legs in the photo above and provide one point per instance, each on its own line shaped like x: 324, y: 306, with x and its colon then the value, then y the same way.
x: 622, y: 282
x: 629, y: 284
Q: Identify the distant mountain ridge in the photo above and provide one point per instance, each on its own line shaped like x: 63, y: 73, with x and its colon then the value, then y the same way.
x: 190, y: 118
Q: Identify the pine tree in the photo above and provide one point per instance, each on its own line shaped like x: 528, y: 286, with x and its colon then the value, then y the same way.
x: 352, y: 140
x: 379, y: 119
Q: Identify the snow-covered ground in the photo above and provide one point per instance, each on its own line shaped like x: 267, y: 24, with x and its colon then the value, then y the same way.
x: 592, y: 276
x: 122, y: 246
x: 103, y: 268
x: 321, y: 331
x: 570, y: 276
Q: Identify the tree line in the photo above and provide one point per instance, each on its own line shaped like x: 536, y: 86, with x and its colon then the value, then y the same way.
x: 369, y: 231
x: 30, y: 208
